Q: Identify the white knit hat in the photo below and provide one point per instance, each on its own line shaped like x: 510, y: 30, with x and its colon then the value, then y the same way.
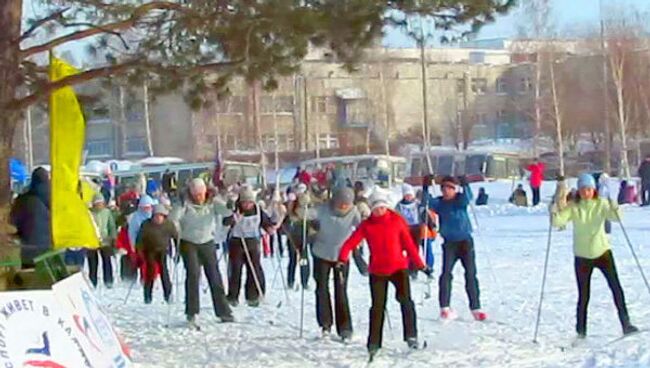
x: 379, y: 199
x: 407, y: 190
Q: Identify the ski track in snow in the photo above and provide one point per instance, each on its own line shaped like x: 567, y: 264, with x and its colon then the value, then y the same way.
x: 510, y: 246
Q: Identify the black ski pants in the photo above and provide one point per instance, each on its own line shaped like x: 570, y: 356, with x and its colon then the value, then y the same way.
x: 196, y: 256
x: 237, y: 259
x: 584, y: 267
x: 645, y: 192
x: 93, y: 264
x: 153, y: 259
x: 297, y: 255
x: 378, y: 290
x: 451, y: 253
x: 536, y: 196
x: 322, y: 269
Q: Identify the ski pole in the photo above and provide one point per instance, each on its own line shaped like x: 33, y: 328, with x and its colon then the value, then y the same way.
x: 135, y: 279
x: 301, y: 263
x: 171, y: 297
x: 284, y: 285
x: 252, y: 268
x: 541, y: 294
x: 636, y: 258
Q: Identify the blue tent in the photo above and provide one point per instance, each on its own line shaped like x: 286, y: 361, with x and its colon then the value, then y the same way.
x: 18, y: 170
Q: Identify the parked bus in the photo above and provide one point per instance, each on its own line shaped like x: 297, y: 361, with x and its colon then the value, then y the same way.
x: 233, y: 172
x: 475, y: 165
x: 382, y: 170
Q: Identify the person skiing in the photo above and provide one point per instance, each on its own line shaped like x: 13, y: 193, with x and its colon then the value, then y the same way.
x: 107, y: 234
x: 536, y: 170
x: 334, y: 223
x: 591, y: 248
x: 391, y: 248
x: 456, y: 229
x: 246, y: 224
x: 408, y: 209
x: 644, y: 174
x: 278, y: 211
x: 154, y: 239
x: 299, y: 213
x: 195, y: 222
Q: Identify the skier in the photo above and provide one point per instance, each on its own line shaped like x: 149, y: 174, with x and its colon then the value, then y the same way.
x: 246, y: 224
x: 408, y: 209
x: 278, y: 211
x: 456, y: 229
x: 388, y: 239
x: 519, y: 197
x: 300, y: 212
x: 334, y: 223
x: 195, y: 222
x: 107, y: 233
x: 156, y: 234
x: 591, y: 248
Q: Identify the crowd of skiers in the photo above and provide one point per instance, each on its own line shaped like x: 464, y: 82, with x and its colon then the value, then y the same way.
x: 321, y: 225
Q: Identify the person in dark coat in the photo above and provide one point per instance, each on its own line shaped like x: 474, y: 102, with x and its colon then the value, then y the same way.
x: 30, y: 214
x: 644, y: 174
x: 154, y: 239
x: 482, y: 198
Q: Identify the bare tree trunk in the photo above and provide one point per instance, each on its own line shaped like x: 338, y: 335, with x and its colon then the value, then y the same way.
x: 425, y: 112
x: 277, y: 147
x: 258, y: 129
x: 147, y: 119
x: 538, y: 107
x: 10, y: 19
x: 384, y: 99
x: 617, y: 74
x: 558, y: 117
x: 608, y: 135
x: 122, y: 124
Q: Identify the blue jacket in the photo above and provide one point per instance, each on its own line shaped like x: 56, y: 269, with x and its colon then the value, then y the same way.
x: 454, y: 219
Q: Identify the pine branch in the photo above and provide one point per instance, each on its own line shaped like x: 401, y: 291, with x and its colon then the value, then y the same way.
x: 137, y: 14
x: 52, y: 17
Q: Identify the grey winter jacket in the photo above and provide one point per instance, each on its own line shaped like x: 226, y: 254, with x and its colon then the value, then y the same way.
x: 196, y: 223
x: 333, y: 230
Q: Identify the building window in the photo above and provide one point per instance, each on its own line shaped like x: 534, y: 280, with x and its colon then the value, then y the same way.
x: 479, y: 86
x: 99, y: 148
x: 328, y: 141
x: 501, y: 86
x: 276, y: 104
x: 136, y: 145
x: 230, y: 105
x: 97, y: 115
x: 460, y: 86
x: 319, y: 104
x: 355, y: 113
x: 525, y: 85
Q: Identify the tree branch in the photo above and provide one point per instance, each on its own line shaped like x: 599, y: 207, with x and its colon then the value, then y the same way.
x: 137, y: 14
x: 54, y: 16
x: 111, y: 71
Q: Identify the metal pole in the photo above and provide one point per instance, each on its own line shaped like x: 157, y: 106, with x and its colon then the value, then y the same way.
x: 425, y: 113
x: 608, y: 149
x: 147, y: 121
x: 541, y: 295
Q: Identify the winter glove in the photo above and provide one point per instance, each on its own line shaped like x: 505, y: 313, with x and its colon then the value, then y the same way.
x: 462, y: 180
x: 339, y: 266
x: 429, y: 180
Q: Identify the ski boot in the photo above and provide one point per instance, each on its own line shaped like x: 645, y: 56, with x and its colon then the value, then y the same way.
x: 448, y: 314
x: 479, y: 315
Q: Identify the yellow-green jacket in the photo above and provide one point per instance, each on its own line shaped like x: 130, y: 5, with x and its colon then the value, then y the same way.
x: 588, y: 218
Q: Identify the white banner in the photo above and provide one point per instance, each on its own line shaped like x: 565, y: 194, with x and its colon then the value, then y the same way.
x: 36, y: 332
x: 96, y: 334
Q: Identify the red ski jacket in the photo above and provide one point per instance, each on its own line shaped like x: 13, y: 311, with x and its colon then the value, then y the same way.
x: 536, y: 174
x: 390, y: 243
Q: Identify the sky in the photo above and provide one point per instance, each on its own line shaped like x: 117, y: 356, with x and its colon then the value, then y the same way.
x: 567, y: 15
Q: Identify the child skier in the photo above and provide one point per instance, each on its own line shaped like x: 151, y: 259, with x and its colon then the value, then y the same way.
x: 156, y: 234
x: 408, y: 208
x: 456, y: 229
x: 334, y: 223
x: 246, y: 225
x: 388, y: 238
x: 591, y: 248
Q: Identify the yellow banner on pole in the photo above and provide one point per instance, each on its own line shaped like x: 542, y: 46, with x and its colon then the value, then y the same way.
x: 72, y: 224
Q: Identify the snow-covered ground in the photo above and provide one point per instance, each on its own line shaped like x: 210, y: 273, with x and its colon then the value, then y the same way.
x: 510, y: 245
